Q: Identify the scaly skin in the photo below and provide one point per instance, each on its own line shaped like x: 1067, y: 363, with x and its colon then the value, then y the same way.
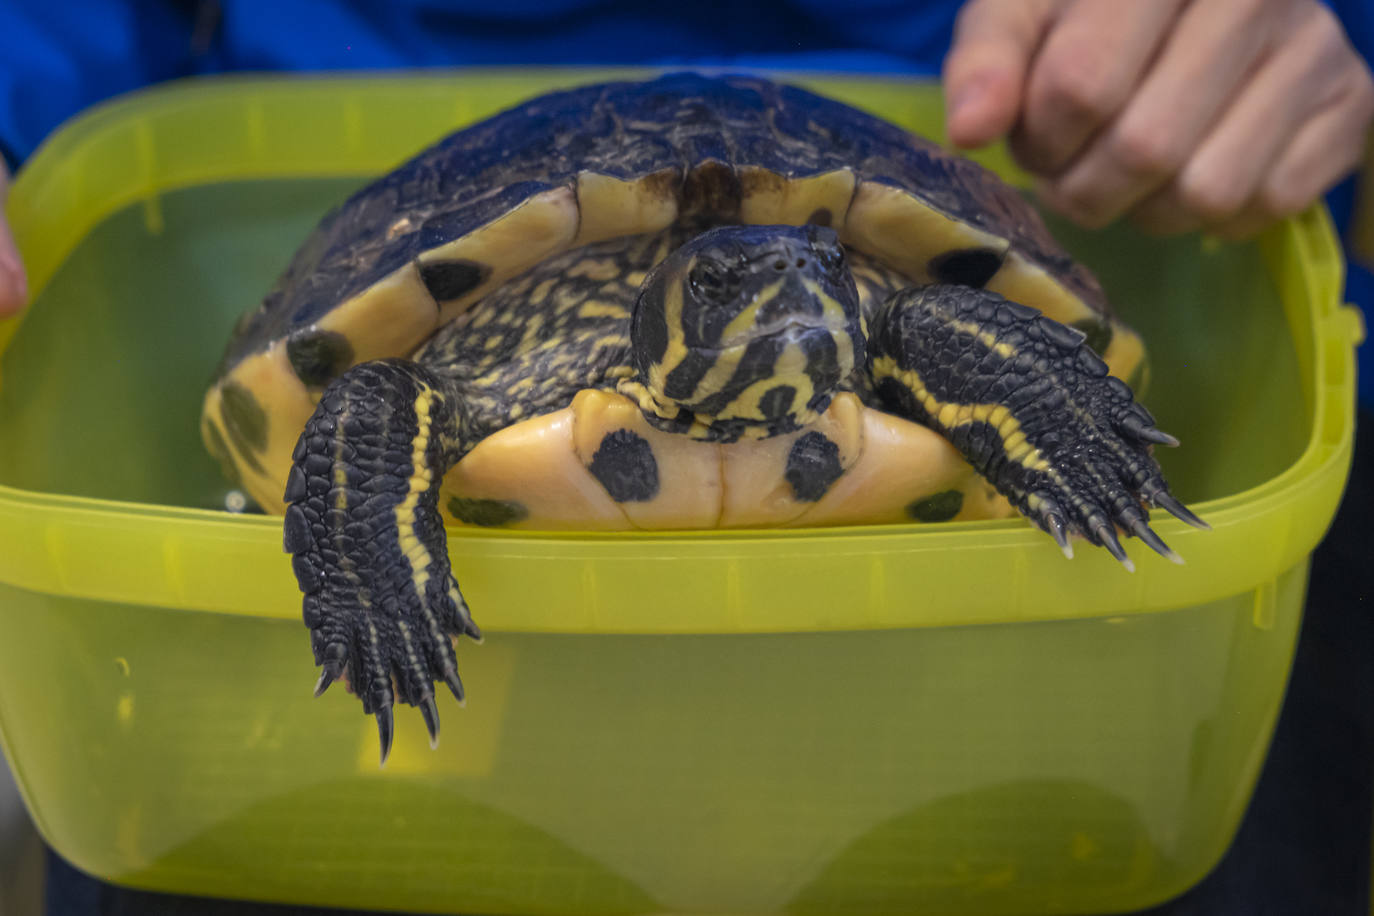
x: 1030, y: 406
x: 368, y: 543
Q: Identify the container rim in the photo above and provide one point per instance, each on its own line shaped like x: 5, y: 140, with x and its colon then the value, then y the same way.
x: 46, y: 539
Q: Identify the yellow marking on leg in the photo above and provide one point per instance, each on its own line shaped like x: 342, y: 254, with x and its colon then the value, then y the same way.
x: 951, y: 416
x: 411, y: 657
x: 414, y: 549
x: 985, y: 337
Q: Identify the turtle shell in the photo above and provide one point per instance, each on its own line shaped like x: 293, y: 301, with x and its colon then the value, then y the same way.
x: 411, y: 251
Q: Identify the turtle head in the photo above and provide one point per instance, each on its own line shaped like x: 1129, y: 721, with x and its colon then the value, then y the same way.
x: 746, y: 331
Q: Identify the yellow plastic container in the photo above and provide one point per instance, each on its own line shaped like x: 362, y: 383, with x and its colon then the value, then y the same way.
x: 919, y: 719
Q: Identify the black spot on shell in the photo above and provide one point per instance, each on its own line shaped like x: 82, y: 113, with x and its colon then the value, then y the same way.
x: 453, y: 278
x: 821, y: 217
x: 626, y: 467
x: 1098, y: 333
x: 813, y: 465
x: 318, y: 357
x: 966, y: 266
x: 219, y: 450
x: 245, y: 422
x: 777, y: 402
x: 938, y: 508
x: 488, y: 513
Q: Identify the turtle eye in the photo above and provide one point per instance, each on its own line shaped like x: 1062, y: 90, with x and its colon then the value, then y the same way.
x: 711, y: 282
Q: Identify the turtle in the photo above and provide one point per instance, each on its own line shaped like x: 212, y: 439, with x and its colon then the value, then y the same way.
x: 685, y: 302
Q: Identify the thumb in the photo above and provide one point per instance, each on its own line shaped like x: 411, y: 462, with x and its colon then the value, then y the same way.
x: 985, y: 70
x: 13, y: 285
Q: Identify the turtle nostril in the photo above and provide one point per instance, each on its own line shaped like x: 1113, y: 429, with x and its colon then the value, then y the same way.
x: 779, y: 264
x: 801, y: 262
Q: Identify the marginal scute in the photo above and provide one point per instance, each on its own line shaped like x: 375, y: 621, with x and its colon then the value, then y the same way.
x: 219, y: 450
x: 387, y: 319
x: 1024, y: 281
x: 538, y: 227
x: 452, y: 278
x: 284, y: 404
x: 612, y: 206
x: 905, y: 232
x: 318, y: 356
x: 773, y: 199
x: 244, y: 418
x: 966, y: 266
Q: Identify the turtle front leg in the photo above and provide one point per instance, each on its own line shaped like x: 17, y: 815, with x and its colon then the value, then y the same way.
x: 1030, y: 406
x: 367, y: 541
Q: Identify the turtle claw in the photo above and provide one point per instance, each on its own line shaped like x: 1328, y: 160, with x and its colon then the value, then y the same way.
x: 1166, y: 501
x: 1052, y: 521
x: 455, y: 686
x: 327, y: 677
x: 431, y: 714
x: 385, y: 731
x: 1105, y: 535
x: 1139, y: 424
x: 1159, y: 437
x: 1145, y: 533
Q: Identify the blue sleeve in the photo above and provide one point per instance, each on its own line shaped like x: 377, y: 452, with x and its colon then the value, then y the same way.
x: 60, y: 57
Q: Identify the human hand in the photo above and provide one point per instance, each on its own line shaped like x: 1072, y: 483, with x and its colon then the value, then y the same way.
x: 14, y: 289
x: 1212, y: 114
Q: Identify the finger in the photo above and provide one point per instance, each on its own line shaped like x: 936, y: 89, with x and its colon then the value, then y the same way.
x: 1087, y: 67
x: 1303, y: 74
x: 14, y: 291
x: 1324, y: 150
x: 1198, y: 71
x: 984, y: 72
x: 1164, y: 213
